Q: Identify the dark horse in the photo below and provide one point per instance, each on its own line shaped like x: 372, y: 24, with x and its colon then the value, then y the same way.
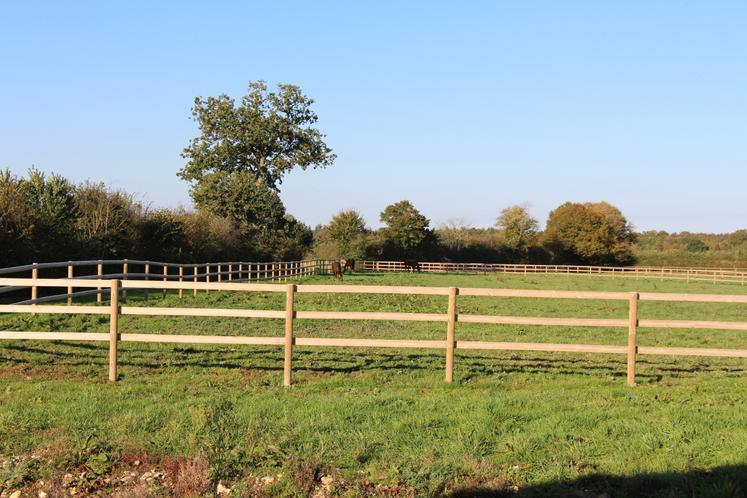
x: 411, y: 265
x: 348, y: 264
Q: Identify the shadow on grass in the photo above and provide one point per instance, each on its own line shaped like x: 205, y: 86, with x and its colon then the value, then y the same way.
x: 471, y: 367
x: 726, y: 481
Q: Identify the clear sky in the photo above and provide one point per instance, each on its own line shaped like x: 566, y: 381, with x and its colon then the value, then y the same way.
x: 461, y: 107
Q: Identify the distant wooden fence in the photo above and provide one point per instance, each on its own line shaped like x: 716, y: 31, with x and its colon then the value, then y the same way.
x: 451, y: 317
x: 715, y: 275
x: 231, y: 271
x: 280, y: 271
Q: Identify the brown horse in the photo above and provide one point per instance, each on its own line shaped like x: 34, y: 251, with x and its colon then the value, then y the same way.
x: 336, y: 270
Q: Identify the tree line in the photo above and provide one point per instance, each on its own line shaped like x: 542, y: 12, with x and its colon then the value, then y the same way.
x: 235, y: 167
x: 575, y: 233
x: 49, y: 218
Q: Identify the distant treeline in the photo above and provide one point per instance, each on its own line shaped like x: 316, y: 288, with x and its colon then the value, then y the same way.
x: 48, y: 218
x: 659, y: 248
x: 575, y: 233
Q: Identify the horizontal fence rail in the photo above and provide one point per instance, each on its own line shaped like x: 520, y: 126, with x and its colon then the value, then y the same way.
x: 714, y: 275
x: 281, y: 271
x: 155, y: 271
x: 451, y: 317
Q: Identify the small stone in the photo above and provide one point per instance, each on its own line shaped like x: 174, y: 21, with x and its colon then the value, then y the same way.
x: 15, y: 494
x: 42, y: 494
x: 327, y: 481
x: 267, y: 480
x: 136, y: 463
x: 67, y: 480
x: 222, y: 490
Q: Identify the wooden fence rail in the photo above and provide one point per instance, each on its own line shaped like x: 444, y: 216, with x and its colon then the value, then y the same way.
x: 242, y: 271
x: 280, y: 271
x: 714, y: 275
x: 451, y: 317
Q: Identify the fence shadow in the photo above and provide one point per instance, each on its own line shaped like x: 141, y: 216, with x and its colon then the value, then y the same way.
x: 69, y: 354
x: 721, y: 482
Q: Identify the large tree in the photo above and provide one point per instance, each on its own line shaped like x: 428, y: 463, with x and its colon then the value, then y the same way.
x: 406, y: 227
x: 592, y: 233
x: 262, y: 138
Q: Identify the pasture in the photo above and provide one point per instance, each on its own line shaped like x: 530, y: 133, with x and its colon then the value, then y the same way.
x: 381, y: 422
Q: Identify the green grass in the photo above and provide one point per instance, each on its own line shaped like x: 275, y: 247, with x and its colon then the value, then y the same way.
x: 546, y: 423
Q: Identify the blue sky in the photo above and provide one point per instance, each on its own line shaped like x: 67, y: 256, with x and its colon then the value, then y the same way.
x: 462, y: 107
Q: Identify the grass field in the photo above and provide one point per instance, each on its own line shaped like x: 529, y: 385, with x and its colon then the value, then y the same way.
x: 375, y: 422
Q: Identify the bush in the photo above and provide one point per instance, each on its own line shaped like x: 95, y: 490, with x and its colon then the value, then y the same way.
x: 222, y: 437
x: 47, y: 218
x: 696, y: 245
x: 591, y: 233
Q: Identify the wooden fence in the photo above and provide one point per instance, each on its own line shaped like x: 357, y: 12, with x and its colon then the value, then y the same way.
x: 230, y: 271
x: 280, y: 271
x: 450, y: 317
x: 715, y: 275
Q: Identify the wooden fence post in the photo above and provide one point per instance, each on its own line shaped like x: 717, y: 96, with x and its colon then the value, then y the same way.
x: 230, y: 272
x: 241, y: 270
x: 450, y: 334
x: 99, y: 273
x: 288, y: 349
x: 147, y: 273
x: 220, y: 273
x: 165, y: 277
x: 69, y: 287
x: 632, y: 336
x: 34, y: 288
x: 181, y: 279
x: 113, y: 329
x: 194, y: 270
x: 125, y: 267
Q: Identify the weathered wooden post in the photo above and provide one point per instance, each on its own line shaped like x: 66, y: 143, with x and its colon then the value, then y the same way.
x: 124, y: 277
x: 165, y: 277
x: 34, y: 289
x: 290, y: 292
x: 632, y: 336
x: 99, y: 273
x: 207, y: 277
x: 181, y: 279
x: 147, y: 277
x: 69, y: 287
x: 113, y: 329
x: 194, y: 271
x: 450, y: 333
